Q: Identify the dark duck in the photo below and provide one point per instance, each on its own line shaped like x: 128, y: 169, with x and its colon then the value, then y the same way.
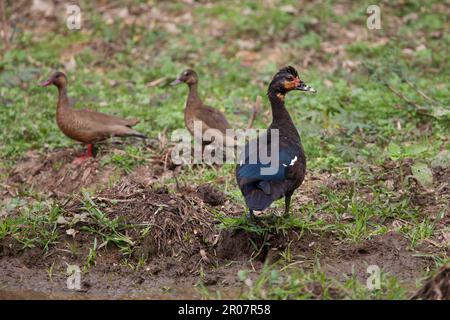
x: 87, y: 126
x: 259, y: 187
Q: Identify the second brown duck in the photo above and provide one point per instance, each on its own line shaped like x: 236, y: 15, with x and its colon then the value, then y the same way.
x: 85, y: 125
x: 196, y: 110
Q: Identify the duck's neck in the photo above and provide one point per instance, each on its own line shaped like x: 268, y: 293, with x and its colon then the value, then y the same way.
x: 63, y: 99
x: 280, y: 116
x: 193, y: 97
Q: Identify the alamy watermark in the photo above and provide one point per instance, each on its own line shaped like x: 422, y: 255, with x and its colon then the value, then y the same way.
x: 73, y: 20
x: 74, y: 277
x: 374, y: 19
x: 212, y: 146
x: 374, y: 280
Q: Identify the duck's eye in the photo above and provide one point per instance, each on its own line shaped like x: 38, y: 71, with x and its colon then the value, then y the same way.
x: 290, y: 78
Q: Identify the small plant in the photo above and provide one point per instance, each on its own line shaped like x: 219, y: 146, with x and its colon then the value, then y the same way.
x: 90, y: 260
x: 109, y: 230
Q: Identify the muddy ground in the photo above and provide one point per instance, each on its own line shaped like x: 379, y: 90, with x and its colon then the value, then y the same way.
x: 174, y: 240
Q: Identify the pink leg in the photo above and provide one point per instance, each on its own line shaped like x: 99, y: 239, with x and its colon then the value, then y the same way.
x: 87, y: 154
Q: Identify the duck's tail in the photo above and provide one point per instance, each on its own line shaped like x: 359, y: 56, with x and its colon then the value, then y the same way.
x: 256, y: 198
x: 139, y: 135
x: 124, y: 131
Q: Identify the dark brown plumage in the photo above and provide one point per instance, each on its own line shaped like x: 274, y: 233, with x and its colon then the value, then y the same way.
x: 85, y: 125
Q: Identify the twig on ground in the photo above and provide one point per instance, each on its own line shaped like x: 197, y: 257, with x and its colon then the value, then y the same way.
x: 256, y: 110
x: 418, y: 107
x: 420, y: 92
x: 113, y: 200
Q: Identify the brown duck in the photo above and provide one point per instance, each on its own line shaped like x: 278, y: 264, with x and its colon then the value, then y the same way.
x: 195, y: 110
x: 84, y: 125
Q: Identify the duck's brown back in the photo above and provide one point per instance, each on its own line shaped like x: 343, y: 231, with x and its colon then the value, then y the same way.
x: 90, y: 126
x: 210, y: 118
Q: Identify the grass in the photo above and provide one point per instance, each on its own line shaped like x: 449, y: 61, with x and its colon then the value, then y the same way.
x: 351, y: 128
x: 109, y: 230
x: 35, y: 226
x: 293, y: 283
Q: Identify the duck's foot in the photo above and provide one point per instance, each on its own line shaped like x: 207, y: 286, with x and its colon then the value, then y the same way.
x: 250, y: 216
x: 79, y: 160
x: 86, y: 155
x: 253, y: 215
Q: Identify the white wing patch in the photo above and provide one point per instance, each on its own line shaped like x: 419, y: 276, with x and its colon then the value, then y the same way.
x: 292, y: 162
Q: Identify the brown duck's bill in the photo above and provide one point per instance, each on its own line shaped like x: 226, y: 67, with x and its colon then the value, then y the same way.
x: 175, y: 82
x: 304, y: 87
x: 45, y: 83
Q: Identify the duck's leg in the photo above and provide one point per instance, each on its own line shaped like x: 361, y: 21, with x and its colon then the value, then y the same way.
x: 87, y: 154
x: 250, y: 215
x: 287, y: 204
x: 90, y: 151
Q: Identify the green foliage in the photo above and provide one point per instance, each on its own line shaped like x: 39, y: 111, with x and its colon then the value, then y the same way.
x: 294, y: 283
x: 109, y: 230
x: 35, y: 225
x: 126, y: 160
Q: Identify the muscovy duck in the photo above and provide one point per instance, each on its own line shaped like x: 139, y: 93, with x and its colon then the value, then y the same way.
x: 260, y: 188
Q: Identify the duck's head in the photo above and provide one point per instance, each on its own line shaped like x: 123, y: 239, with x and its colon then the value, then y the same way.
x: 287, y: 79
x: 59, y: 79
x: 188, y: 76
